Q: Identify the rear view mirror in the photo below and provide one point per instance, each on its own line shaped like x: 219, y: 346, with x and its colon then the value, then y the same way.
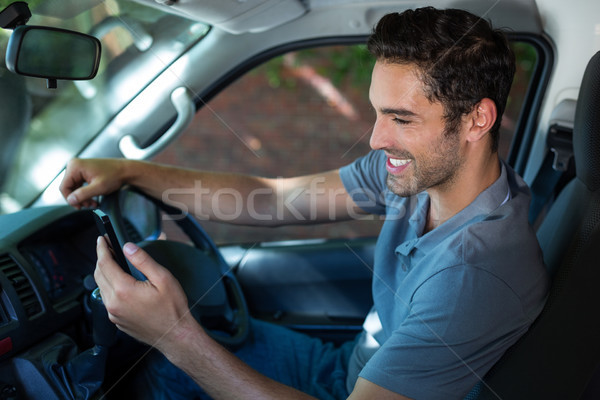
x: 52, y: 53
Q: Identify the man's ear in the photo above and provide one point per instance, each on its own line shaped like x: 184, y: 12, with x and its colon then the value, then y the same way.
x: 482, y: 119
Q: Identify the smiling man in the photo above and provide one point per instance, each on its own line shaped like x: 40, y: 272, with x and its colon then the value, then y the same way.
x: 424, y: 150
x: 458, y: 274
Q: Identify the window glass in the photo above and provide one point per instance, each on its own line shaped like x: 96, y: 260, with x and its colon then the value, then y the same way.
x: 44, y: 128
x: 526, y: 62
x: 300, y: 113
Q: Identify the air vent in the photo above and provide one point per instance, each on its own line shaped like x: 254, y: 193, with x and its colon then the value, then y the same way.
x: 21, y: 284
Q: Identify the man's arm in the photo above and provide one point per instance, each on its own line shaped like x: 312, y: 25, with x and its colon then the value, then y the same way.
x: 156, y: 312
x: 234, y: 198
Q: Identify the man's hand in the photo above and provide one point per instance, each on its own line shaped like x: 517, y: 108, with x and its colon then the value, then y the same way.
x: 154, y: 311
x: 102, y: 176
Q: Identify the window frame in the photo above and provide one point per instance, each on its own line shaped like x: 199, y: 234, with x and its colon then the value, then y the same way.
x: 526, y: 127
x: 525, y: 123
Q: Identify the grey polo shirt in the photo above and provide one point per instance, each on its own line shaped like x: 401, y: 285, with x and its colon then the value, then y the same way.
x: 448, y: 303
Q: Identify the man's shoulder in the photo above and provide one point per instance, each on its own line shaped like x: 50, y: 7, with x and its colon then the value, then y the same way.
x: 502, y: 242
x: 507, y: 221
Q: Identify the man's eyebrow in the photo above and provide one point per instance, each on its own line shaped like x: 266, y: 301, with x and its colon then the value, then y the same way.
x: 398, y: 111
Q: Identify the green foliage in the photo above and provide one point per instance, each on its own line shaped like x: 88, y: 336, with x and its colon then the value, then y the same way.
x: 526, y: 61
x: 343, y: 65
x: 526, y: 57
x: 272, y: 71
x: 353, y: 63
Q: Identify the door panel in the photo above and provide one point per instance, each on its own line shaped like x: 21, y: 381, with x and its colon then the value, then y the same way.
x: 318, y: 286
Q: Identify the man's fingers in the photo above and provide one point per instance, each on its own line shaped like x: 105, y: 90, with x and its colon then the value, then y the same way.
x: 100, y: 175
x: 144, y: 263
x: 73, y: 178
x: 83, y: 196
x: 108, y: 267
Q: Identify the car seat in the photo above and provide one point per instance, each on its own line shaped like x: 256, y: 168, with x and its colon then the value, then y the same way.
x: 557, y: 357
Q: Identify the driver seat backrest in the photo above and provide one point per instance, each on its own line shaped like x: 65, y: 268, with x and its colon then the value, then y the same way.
x: 557, y: 357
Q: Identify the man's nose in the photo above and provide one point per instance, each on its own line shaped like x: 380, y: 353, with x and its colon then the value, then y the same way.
x: 380, y: 138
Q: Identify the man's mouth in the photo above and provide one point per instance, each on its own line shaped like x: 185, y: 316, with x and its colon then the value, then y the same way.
x: 397, y: 165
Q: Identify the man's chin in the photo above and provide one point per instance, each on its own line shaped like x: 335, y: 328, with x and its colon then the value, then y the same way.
x: 401, y: 188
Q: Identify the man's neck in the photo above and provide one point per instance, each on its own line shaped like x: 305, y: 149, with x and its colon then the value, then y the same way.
x: 445, y: 202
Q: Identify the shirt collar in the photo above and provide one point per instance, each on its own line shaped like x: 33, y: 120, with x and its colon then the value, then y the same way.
x: 485, y: 203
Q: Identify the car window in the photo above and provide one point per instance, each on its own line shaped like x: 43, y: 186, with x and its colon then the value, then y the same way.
x: 52, y: 126
x: 303, y: 112
x: 526, y: 57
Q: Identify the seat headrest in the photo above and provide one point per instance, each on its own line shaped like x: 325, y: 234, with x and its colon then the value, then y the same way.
x: 586, y: 128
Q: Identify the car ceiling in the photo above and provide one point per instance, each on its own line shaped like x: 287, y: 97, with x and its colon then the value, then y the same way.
x: 261, y: 15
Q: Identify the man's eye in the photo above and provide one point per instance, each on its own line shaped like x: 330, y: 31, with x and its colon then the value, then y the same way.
x: 400, y: 121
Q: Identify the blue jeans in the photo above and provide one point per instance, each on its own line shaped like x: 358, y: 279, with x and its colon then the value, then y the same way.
x: 289, y: 357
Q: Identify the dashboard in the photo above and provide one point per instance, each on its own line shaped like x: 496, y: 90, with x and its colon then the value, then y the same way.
x: 45, y: 256
x: 47, y: 260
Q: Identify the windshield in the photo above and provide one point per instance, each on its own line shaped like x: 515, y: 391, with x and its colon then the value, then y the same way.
x: 44, y: 128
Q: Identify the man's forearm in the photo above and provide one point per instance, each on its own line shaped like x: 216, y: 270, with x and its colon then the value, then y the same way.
x: 244, y: 199
x: 221, y: 374
x: 233, y: 198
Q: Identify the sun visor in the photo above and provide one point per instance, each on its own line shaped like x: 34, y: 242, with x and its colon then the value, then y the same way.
x: 235, y: 16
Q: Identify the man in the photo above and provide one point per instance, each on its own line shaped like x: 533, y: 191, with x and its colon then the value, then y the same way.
x: 458, y: 274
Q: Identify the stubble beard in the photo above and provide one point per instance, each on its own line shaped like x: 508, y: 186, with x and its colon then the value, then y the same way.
x: 437, y: 168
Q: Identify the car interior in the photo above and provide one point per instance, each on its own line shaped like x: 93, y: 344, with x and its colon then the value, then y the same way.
x: 196, y: 83
x: 567, y: 237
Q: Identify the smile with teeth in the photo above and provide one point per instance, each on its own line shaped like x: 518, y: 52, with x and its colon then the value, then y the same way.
x: 397, y: 166
x: 398, y: 163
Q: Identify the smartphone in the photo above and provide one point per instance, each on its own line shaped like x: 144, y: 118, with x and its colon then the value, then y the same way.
x: 106, y: 229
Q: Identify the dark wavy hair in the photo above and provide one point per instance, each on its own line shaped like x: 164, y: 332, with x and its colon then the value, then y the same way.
x: 460, y: 57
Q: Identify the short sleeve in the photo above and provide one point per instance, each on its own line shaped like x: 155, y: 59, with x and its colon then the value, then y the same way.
x: 460, y: 322
x: 365, y: 181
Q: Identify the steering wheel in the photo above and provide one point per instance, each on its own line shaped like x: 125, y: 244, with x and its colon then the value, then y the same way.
x: 214, y: 295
